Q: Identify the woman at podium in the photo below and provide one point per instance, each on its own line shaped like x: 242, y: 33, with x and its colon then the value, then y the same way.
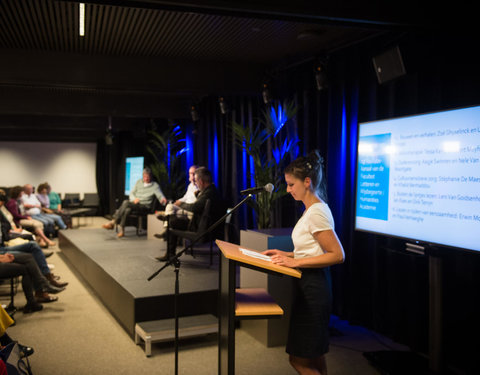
x: 316, y: 247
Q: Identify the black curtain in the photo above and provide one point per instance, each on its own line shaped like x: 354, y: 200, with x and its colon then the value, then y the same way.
x: 380, y: 285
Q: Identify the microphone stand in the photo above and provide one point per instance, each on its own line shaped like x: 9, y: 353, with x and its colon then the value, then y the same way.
x: 175, y: 261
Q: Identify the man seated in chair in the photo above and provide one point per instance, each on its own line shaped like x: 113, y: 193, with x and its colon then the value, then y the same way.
x: 174, y: 208
x: 140, y: 200
x: 207, y: 190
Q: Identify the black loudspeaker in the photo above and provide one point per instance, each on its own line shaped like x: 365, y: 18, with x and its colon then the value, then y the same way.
x: 389, y: 65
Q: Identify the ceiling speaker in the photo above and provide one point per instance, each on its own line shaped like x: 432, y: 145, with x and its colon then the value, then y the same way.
x: 389, y: 65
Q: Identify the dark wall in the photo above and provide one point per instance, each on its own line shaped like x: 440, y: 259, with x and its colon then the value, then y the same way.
x: 381, y: 286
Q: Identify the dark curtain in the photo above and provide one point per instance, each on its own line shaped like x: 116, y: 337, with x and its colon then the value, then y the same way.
x: 380, y: 285
x: 102, y: 172
x: 110, y: 167
x: 215, y: 148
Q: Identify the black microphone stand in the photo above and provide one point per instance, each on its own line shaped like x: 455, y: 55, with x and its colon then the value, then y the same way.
x: 175, y: 261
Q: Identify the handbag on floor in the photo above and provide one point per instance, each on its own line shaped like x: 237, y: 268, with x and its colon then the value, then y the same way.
x: 16, y: 364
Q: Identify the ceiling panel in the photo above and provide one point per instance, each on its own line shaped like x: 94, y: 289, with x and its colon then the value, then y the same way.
x: 49, y: 25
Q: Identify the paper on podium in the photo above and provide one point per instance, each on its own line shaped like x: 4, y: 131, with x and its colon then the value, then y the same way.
x: 255, y: 254
x: 235, y: 253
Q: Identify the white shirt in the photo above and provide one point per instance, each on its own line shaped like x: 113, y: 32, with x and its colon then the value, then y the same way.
x: 189, y: 196
x: 32, y: 200
x: 317, y: 218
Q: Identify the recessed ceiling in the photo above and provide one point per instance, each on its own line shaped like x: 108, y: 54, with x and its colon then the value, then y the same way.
x: 53, y: 26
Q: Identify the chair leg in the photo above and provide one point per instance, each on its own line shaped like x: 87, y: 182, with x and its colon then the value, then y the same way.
x: 11, y: 309
x: 139, y: 225
x: 12, y: 292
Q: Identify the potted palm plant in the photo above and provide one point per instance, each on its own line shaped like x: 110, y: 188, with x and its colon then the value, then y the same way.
x: 271, y: 150
x: 166, y: 148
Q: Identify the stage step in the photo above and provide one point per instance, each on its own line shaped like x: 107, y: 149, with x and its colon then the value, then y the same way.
x: 164, y: 330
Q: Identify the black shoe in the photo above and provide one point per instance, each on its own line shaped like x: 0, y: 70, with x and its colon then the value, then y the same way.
x: 48, y: 253
x: 166, y: 257
x: 162, y: 217
x: 25, y: 351
x: 32, y: 307
x: 162, y: 236
x: 53, y: 289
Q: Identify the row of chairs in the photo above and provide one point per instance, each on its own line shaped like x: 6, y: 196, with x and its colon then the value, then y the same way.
x: 72, y: 200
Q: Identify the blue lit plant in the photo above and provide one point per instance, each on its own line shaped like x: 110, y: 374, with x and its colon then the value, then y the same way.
x: 166, y: 148
x: 271, y: 147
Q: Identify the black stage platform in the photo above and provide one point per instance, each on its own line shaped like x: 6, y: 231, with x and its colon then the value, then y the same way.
x: 117, y: 269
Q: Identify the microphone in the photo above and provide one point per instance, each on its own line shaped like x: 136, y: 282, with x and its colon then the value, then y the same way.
x: 255, y: 190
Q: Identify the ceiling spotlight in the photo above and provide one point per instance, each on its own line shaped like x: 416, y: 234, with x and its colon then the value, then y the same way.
x: 194, y: 114
x: 223, y: 105
x: 266, y: 94
x: 321, y: 77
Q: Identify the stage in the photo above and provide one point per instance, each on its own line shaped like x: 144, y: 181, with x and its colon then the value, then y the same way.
x: 118, y: 269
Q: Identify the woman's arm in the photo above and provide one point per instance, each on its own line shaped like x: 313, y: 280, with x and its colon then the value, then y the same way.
x: 333, y: 253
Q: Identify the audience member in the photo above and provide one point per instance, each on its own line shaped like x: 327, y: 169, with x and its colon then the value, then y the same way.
x: 140, y: 200
x: 42, y: 197
x: 174, y: 208
x: 207, y: 190
x: 14, y: 230
x: 56, y: 206
x: 32, y: 248
x: 24, y: 265
x: 33, y: 208
x: 26, y: 221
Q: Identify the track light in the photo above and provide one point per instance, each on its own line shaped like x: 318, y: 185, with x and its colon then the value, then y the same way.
x: 223, y: 105
x: 321, y: 77
x: 194, y: 114
x: 109, y: 134
x: 266, y: 94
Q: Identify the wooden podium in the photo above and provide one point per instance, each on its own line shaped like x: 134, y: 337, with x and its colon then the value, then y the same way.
x: 252, y: 303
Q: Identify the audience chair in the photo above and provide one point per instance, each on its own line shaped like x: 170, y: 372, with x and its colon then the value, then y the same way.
x: 139, y: 219
x: 71, y: 200
x: 92, y: 201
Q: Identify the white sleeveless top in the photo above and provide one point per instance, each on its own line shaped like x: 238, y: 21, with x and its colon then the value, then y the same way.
x: 317, y: 218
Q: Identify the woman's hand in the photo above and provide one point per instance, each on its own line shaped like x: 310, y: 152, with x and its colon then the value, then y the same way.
x: 283, y: 260
x: 271, y: 252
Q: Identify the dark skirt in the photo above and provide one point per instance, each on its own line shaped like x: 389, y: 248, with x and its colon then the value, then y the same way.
x: 308, y: 335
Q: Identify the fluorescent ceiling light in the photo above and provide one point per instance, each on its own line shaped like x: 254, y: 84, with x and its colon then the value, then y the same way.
x: 81, y: 19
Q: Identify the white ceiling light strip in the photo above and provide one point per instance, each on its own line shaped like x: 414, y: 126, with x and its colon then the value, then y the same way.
x: 81, y: 19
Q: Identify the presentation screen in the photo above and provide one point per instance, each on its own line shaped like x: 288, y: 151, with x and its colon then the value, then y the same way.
x: 418, y: 178
x: 133, y: 172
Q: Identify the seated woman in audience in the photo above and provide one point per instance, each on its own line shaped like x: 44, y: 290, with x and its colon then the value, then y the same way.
x: 25, y: 221
x: 24, y: 265
x: 42, y: 197
x: 56, y: 205
x: 15, y: 232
